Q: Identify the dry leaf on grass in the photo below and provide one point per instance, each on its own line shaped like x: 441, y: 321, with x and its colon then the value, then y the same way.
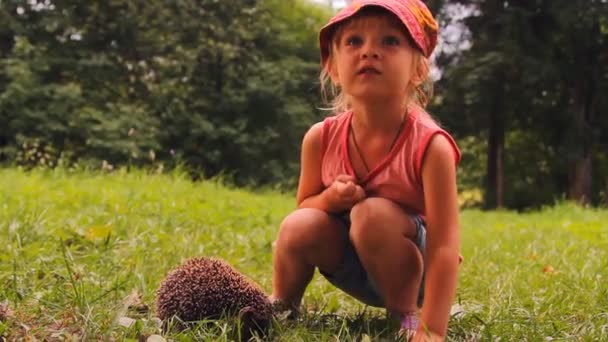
x: 5, y: 312
x: 134, y: 303
x: 126, y: 322
x: 156, y: 338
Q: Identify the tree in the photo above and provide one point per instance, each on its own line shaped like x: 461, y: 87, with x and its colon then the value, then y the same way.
x: 531, y: 63
x: 227, y: 86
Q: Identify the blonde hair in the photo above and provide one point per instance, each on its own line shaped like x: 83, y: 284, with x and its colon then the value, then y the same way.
x: 337, y: 101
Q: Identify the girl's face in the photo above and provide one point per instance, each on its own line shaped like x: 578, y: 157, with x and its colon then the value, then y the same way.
x: 372, y: 59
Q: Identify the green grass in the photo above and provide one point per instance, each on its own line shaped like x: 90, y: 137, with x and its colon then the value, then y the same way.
x: 75, y: 246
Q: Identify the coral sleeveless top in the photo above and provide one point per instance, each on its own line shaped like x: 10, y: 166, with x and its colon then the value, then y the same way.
x: 398, y: 177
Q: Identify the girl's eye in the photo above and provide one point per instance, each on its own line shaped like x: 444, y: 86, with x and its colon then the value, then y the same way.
x: 390, y: 40
x: 354, y: 40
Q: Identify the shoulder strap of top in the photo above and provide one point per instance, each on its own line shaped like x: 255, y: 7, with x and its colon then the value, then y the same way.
x: 325, y: 132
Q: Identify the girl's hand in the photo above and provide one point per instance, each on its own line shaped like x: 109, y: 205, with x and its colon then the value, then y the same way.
x: 344, y: 193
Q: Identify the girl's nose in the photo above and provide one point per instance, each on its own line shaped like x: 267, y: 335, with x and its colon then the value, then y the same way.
x: 374, y: 55
x: 370, y: 50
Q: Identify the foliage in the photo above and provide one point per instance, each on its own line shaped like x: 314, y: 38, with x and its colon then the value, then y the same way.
x: 530, y: 83
x: 224, y: 87
x: 84, y: 252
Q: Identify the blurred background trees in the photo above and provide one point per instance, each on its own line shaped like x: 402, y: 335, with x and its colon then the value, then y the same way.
x: 229, y: 87
x: 529, y: 87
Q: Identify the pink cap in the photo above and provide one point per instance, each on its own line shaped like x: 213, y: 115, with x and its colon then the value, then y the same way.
x: 414, y: 15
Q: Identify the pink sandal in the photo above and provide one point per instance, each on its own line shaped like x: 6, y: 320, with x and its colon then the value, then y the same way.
x: 409, y: 324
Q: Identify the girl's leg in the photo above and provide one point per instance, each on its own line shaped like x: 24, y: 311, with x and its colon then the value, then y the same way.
x: 308, y: 238
x: 383, y: 234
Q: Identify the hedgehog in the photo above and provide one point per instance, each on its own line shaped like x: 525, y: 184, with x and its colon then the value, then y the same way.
x: 205, y: 288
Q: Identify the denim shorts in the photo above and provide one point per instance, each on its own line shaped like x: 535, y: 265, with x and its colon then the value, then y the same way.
x: 352, y: 278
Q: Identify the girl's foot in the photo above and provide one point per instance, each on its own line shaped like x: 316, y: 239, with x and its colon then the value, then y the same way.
x: 283, y: 310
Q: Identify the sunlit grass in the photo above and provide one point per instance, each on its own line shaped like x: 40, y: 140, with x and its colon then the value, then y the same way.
x: 75, y: 246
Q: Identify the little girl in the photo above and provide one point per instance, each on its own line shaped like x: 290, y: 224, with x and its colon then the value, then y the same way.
x: 377, y: 201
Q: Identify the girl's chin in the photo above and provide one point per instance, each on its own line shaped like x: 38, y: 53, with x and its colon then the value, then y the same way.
x: 375, y: 96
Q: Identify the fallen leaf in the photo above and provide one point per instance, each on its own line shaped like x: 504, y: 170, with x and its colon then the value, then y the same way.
x: 5, y: 312
x: 135, y: 303
x: 98, y: 232
x: 156, y: 322
x: 156, y: 338
x: 548, y: 269
x: 126, y: 322
x: 456, y: 309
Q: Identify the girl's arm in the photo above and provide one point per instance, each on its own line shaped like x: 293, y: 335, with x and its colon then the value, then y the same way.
x: 310, y: 185
x: 341, y: 195
x: 443, y: 234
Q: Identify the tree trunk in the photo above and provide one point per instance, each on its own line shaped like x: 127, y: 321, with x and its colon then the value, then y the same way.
x: 580, y: 180
x: 495, y: 170
x: 579, y: 187
x: 584, y: 89
x: 496, y: 145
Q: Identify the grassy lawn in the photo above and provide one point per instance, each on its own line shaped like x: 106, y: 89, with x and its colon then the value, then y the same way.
x: 76, y: 249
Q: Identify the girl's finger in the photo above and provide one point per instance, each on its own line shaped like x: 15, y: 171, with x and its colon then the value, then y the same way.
x: 345, y: 178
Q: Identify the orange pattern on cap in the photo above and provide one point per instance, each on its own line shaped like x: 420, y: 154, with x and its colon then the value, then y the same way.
x: 423, y: 16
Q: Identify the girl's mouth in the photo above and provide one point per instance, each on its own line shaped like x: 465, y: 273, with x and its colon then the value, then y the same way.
x: 369, y: 70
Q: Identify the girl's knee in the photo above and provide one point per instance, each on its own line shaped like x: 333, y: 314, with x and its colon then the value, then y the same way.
x: 300, y: 229
x: 371, y: 210
x: 367, y: 218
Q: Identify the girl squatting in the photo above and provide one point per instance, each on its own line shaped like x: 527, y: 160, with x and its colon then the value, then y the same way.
x: 377, y: 200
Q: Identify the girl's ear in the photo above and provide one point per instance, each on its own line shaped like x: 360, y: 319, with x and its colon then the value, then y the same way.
x: 420, y: 72
x: 332, y: 71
